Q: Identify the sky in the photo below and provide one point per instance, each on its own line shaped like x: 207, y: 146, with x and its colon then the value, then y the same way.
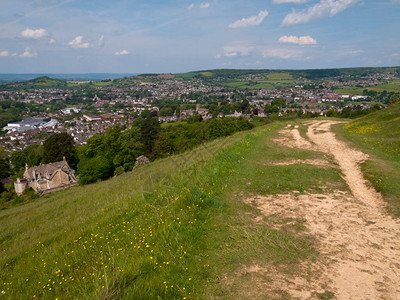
x: 162, y: 36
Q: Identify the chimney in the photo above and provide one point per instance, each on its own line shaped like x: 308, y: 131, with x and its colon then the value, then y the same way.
x: 26, y: 166
x: 64, y: 158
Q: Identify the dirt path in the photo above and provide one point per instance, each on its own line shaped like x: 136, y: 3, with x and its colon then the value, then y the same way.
x: 358, y: 242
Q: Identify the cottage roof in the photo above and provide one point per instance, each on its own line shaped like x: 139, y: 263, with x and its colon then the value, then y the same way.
x: 47, y: 170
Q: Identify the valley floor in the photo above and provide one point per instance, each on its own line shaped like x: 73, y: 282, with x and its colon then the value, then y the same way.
x: 357, y: 241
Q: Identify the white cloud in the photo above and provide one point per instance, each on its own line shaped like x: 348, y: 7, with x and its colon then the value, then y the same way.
x: 34, y: 34
x: 217, y: 56
x: 4, y: 53
x: 28, y: 53
x: 100, y: 42
x: 204, y: 5
x: 251, y: 21
x: 281, y: 53
x: 190, y: 7
x: 235, y: 50
x: 123, y: 52
x: 52, y: 41
x: 241, y: 49
x: 323, y: 9
x: 392, y: 55
x: 301, y: 40
x: 78, y: 43
x: 289, y: 1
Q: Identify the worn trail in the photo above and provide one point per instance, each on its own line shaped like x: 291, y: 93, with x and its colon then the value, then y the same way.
x: 358, y: 241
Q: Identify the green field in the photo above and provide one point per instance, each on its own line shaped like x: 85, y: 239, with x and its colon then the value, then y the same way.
x: 391, y: 86
x: 270, y: 81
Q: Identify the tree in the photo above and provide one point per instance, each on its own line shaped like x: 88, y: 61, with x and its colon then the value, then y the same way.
x: 94, y: 169
x: 60, y: 145
x: 4, y: 168
x: 145, y: 113
x: 150, y: 128
x: 166, y: 111
x: 131, y: 147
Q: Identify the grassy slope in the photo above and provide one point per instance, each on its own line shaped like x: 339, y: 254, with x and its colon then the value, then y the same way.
x: 271, y: 81
x: 378, y: 134
x: 169, y: 229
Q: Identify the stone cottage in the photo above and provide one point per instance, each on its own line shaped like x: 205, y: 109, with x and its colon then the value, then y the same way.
x: 47, y: 178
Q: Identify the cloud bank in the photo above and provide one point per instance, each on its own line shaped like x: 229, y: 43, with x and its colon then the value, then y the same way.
x: 34, y: 34
x: 28, y: 53
x: 252, y: 21
x: 326, y: 8
x: 301, y: 40
x: 78, y: 43
x: 123, y: 52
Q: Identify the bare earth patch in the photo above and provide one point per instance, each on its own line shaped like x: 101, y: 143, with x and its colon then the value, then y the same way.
x: 359, y: 243
x: 288, y: 162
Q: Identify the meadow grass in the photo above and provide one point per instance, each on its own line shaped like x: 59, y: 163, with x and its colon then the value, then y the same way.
x: 271, y: 81
x: 132, y: 236
x: 168, y: 230
x: 378, y: 134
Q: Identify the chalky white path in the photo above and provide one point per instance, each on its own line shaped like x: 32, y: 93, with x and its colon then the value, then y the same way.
x: 359, y: 243
x: 368, y: 267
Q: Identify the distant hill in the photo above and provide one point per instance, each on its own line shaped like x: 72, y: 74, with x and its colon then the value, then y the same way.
x: 312, y: 74
x: 224, y: 77
x: 39, y: 82
x: 73, y: 76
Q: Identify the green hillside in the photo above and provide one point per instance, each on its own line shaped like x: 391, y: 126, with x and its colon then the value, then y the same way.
x: 175, y: 228
x: 379, y: 135
x: 311, y: 74
x: 37, y: 83
x: 170, y: 229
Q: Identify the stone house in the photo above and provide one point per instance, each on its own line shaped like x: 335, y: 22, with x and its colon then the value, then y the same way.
x: 47, y: 178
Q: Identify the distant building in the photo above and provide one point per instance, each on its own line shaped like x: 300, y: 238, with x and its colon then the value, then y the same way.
x: 46, y: 178
x: 168, y: 119
x: 69, y: 110
x: 51, y: 124
x: 90, y: 117
x: 187, y: 113
x: 235, y: 115
x: 357, y: 97
x: 110, y: 116
x: 26, y: 124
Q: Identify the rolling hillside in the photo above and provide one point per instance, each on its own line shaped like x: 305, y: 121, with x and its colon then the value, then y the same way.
x: 257, y: 215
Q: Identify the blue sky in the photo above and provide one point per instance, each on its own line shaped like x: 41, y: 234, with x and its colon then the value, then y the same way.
x: 130, y: 36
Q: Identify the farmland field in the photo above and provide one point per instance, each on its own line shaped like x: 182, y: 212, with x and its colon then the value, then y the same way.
x: 390, y: 86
